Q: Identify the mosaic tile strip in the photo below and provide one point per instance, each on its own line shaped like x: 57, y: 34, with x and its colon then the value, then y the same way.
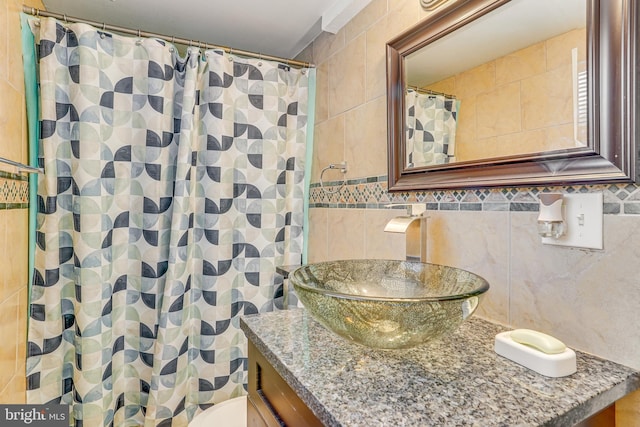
x: 371, y: 193
x: 14, y: 191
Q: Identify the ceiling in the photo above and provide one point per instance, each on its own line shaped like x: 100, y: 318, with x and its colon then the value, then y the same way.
x: 273, y: 27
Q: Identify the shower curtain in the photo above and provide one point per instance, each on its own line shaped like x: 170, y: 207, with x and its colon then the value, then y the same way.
x: 431, y: 128
x: 172, y: 188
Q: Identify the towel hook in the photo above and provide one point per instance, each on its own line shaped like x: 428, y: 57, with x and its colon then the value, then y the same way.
x: 343, y: 168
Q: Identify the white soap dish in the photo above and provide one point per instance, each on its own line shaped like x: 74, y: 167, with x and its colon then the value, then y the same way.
x: 559, y: 364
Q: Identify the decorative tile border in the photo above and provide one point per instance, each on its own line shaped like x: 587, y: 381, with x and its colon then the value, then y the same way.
x: 14, y: 191
x: 371, y: 193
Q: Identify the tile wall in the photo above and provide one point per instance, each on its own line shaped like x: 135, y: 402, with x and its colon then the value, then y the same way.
x: 589, y: 299
x: 521, y: 117
x: 13, y: 207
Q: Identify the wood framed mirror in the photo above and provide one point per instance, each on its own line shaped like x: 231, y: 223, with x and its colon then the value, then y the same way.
x: 477, y: 98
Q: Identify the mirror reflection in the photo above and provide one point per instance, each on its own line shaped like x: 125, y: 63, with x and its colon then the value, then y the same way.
x: 490, y: 90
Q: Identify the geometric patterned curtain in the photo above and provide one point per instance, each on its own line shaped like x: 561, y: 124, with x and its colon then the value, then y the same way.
x: 172, y: 189
x: 430, y: 129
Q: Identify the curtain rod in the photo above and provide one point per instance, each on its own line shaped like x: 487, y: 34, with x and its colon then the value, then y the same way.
x: 101, y: 25
x: 430, y: 92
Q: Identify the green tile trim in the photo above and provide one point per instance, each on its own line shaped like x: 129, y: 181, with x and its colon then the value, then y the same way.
x: 4, y: 206
x: 13, y: 176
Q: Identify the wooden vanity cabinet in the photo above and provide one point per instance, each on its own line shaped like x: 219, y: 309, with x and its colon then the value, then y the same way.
x: 271, y: 402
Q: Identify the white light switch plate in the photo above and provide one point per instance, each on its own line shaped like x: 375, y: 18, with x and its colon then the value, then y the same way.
x: 583, y: 222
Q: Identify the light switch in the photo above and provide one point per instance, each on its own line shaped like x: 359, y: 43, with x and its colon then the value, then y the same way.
x: 583, y: 216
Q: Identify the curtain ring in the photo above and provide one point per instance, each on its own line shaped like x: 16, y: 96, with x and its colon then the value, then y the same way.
x: 64, y: 16
x: 173, y: 39
x: 190, y: 43
x: 104, y: 26
x: 138, y: 33
x: 343, y: 168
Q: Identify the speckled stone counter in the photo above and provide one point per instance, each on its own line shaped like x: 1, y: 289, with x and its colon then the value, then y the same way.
x: 450, y: 382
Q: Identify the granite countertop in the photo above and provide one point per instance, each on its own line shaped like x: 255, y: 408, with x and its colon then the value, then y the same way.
x: 458, y: 380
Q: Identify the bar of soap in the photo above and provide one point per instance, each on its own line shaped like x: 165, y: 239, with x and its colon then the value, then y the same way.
x: 542, y: 342
x: 548, y: 364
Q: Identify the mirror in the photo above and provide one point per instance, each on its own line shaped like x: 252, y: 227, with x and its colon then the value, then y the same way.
x: 513, y: 92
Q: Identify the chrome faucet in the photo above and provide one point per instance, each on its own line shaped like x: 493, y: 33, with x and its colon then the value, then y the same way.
x: 414, y: 226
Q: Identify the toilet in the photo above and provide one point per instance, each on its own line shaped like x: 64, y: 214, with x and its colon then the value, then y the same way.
x: 231, y: 413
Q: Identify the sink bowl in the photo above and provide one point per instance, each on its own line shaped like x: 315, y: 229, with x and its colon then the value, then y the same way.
x: 388, y: 304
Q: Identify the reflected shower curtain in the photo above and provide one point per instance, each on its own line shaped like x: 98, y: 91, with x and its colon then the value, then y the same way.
x: 431, y: 128
x: 172, y: 188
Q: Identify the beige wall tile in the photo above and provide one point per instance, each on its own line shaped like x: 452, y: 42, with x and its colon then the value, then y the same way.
x: 347, y: 77
x: 328, y: 147
x: 15, y: 73
x: 477, y: 242
x: 559, y: 48
x: 346, y: 234
x: 521, y: 64
x: 15, y: 391
x: 8, y: 330
x: 570, y: 293
x: 17, y: 252
x: 477, y: 80
x: 322, y: 92
x: 547, y: 99
x: 478, y: 149
x: 326, y: 45
x: 466, y: 133
x: 375, y: 61
x: 522, y: 142
x: 11, y: 105
x: 378, y: 243
x: 5, y: 266
x: 318, y: 250
x: 500, y: 111
x: 4, y: 35
x: 363, y: 20
x: 366, y: 139
x: 402, y: 15
x: 562, y: 136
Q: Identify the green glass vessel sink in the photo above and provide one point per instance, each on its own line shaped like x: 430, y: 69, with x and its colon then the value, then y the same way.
x: 388, y: 304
